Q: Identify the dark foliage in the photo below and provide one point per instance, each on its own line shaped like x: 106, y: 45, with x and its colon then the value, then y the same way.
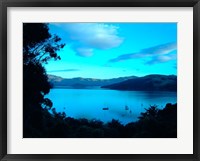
x: 154, y: 123
x: 38, y: 47
x: 34, y: 34
x: 38, y: 44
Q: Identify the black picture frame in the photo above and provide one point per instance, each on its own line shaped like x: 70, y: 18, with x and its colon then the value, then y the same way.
x: 4, y: 4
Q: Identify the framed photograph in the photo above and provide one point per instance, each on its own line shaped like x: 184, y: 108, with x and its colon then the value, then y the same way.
x: 99, y: 80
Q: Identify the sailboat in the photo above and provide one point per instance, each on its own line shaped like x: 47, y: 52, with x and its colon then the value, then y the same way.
x: 126, y: 107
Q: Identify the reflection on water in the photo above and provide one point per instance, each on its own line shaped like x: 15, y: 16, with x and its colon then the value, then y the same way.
x: 124, y: 106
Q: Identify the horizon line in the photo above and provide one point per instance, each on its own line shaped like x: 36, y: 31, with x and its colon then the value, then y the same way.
x: 113, y: 77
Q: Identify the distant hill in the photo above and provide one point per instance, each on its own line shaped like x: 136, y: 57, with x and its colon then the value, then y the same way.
x: 147, y: 83
x: 79, y: 82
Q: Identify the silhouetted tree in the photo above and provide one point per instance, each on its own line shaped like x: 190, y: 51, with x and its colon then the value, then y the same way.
x: 156, y: 123
x: 39, y: 46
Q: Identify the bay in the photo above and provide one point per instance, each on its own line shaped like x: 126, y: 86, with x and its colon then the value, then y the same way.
x: 124, y: 106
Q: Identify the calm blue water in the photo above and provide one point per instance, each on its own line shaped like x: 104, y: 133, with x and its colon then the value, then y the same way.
x: 124, y: 106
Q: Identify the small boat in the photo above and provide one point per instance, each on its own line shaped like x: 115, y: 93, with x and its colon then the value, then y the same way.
x: 105, y: 108
x: 122, y: 115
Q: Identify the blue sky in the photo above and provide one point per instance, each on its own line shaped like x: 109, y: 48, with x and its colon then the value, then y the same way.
x: 111, y: 50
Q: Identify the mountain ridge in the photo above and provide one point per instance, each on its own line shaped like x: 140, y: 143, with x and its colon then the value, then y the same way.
x: 59, y: 81
x: 155, y: 82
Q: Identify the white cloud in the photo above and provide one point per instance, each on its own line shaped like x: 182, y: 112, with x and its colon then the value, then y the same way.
x: 157, y: 54
x: 85, y: 37
x: 84, y: 52
x: 161, y: 59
